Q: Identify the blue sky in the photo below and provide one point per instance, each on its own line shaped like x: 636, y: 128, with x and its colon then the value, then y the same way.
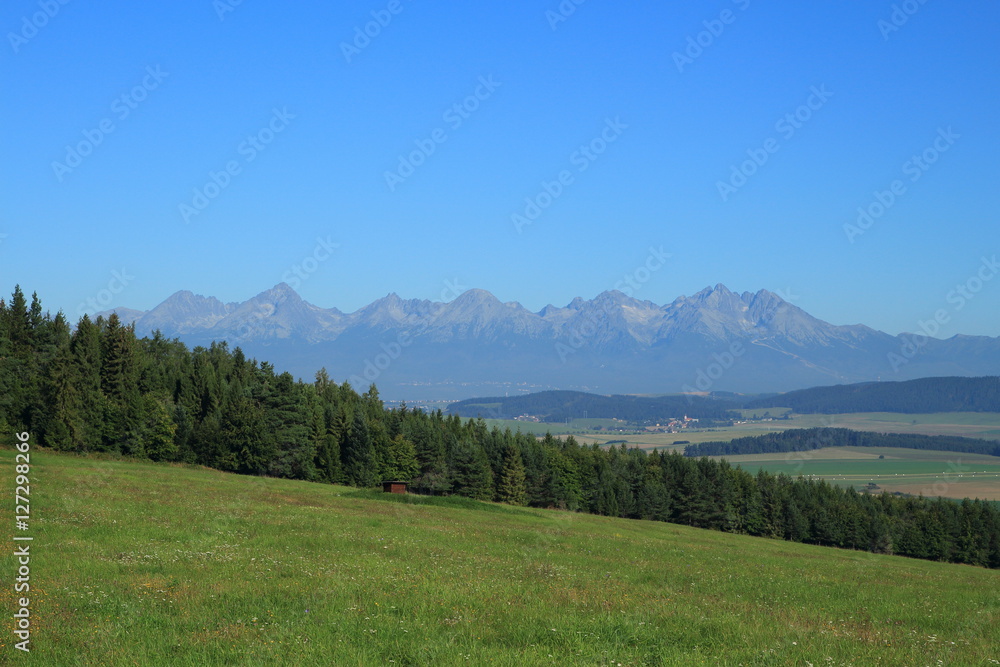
x: 161, y: 96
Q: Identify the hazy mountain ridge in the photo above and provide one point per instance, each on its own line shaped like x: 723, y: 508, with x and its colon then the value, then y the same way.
x: 712, y: 340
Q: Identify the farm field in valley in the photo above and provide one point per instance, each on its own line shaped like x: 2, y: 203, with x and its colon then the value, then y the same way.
x: 141, y: 563
x: 913, y: 471
x: 966, y: 424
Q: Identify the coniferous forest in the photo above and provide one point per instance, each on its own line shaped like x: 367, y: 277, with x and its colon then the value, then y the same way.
x: 96, y: 387
x: 805, y: 439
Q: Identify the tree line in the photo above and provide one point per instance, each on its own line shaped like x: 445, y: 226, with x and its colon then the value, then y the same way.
x: 99, y: 388
x: 805, y: 439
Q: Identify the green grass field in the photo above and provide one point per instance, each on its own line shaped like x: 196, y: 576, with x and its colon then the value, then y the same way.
x: 913, y: 471
x: 968, y: 424
x: 145, y: 564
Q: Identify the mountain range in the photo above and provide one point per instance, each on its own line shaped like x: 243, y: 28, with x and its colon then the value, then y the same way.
x: 715, y: 340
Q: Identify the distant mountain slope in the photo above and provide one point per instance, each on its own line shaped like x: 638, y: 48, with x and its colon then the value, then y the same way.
x: 939, y: 394
x: 714, y: 340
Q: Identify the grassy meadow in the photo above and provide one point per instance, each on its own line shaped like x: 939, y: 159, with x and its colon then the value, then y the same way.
x: 145, y: 564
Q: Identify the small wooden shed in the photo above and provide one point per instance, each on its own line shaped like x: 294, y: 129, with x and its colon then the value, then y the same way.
x: 394, y: 487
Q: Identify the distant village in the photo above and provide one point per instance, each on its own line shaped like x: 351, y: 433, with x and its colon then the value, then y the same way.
x: 673, y: 425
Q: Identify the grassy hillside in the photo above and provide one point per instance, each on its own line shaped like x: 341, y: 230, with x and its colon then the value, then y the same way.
x: 138, y: 563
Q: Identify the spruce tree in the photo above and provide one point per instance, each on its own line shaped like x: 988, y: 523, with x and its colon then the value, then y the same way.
x: 471, y: 475
x: 119, y: 384
x: 512, y: 488
x: 244, y: 443
x: 85, y: 346
x: 62, y: 421
x: 287, y: 413
x: 358, y: 454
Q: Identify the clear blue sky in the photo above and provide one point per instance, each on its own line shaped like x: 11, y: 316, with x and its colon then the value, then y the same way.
x: 678, y: 128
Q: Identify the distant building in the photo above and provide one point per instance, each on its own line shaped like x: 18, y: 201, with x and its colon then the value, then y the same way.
x: 394, y: 487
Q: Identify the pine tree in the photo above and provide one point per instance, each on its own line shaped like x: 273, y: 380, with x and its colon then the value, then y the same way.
x: 85, y: 346
x: 287, y: 414
x: 62, y: 425
x: 512, y: 487
x: 328, y: 455
x: 244, y: 444
x: 20, y: 365
x: 471, y: 475
x: 427, y: 434
x: 183, y: 434
x: 358, y: 454
x: 120, y: 386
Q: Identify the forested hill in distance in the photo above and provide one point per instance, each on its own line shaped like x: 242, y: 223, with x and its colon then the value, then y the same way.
x: 472, y: 344
x: 807, y: 439
x: 925, y: 395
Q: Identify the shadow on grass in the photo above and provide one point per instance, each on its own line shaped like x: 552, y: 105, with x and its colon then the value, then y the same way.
x: 437, y: 501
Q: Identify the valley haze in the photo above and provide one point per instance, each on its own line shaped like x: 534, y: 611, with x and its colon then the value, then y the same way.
x: 473, y: 345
